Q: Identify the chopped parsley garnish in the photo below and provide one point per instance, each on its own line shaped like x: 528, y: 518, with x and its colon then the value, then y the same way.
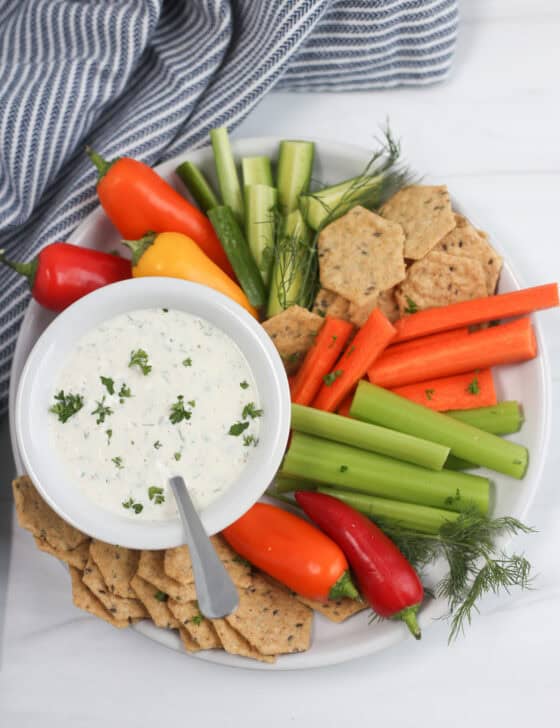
x: 109, y: 384
x: 295, y: 357
x: 124, y: 391
x: 191, y: 403
x: 240, y: 560
x: 411, y: 306
x: 244, y: 384
x: 343, y: 468
x: 332, y: 377
x: 131, y: 505
x: 249, y: 440
x: 238, y: 428
x: 157, y: 444
x: 66, y: 405
x: 429, y: 393
x: 155, y: 494
x: 473, y: 387
x: 118, y: 462
x: 139, y: 358
x: 197, y: 619
x: 165, y: 310
x: 161, y: 596
x: 187, y: 362
x: 178, y: 411
x: 109, y: 434
x: 177, y: 456
x: 333, y: 342
x: 350, y: 350
x: 102, y: 411
x: 251, y: 411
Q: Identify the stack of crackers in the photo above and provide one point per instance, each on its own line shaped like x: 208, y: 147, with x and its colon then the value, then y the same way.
x: 417, y: 253
x: 123, y: 586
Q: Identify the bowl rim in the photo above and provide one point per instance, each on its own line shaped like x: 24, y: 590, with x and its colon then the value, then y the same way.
x: 45, y: 468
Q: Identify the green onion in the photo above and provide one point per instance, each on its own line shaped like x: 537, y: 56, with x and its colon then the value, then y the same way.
x: 256, y: 171
x: 227, y: 172
x: 367, y: 472
x: 197, y: 185
x: 409, y: 515
x: 369, y: 437
x: 378, y: 405
x: 260, y: 207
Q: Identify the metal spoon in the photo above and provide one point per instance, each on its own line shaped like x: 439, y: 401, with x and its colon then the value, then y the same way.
x: 215, y: 591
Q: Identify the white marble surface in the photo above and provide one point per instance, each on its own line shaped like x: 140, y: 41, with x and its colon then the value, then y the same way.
x: 491, y: 133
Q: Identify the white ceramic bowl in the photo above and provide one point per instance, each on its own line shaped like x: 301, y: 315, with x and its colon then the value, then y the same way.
x: 51, y: 352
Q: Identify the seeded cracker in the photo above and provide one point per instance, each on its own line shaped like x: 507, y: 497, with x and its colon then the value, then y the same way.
x: 328, y: 303
x: 177, y: 564
x: 155, y: 602
x: 272, y: 620
x: 119, y: 607
x: 441, y: 279
x: 189, y: 644
x: 425, y: 214
x: 360, y: 255
x: 200, y: 629
x: 293, y: 332
x: 36, y: 516
x: 337, y: 610
x: 235, y: 644
x: 84, y: 599
x: 151, y: 569
x: 117, y: 566
x: 73, y: 557
x: 466, y: 242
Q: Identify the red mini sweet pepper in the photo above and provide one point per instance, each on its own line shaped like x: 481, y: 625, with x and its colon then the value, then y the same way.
x: 385, y: 578
x: 62, y: 273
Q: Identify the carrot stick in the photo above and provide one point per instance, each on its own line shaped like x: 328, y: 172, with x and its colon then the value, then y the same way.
x: 466, y: 313
x: 367, y: 345
x: 320, y: 359
x: 344, y: 406
x: 505, y: 344
x: 459, y: 392
x: 416, y: 344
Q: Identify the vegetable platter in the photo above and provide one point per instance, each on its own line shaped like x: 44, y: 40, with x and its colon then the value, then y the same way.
x: 526, y: 382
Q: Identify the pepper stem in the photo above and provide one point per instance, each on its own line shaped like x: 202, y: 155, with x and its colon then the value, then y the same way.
x: 344, y: 587
x: 139, y: 247
x: 408, y: 616
x: 101, y: 164
x: 28, y: 270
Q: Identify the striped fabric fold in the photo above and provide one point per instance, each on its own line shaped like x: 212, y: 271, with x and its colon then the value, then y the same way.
x: 149, y: 78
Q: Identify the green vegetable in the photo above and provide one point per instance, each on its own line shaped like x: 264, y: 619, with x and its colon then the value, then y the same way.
x: 292, y: 280
x: 285, y: 483
x: 408, y: 515
x: 381, y: 178
x: 237, y: 428
x: 368, y: 472
x: 331, y: 377
x: 501, y: 419
x: 295, y: 165
x: 130, y: 504
x: 161, y: 596
x: 198, y: 186
x: 109, y: 434
x: 102, y: 411
x: 237, y: 250
x: 260, y: 221
x: 66, y: 405
x: 377, y: 405
x: 244, y: 384
x: 256, y: 171
x: 473, y: 387
x: 139, y: 358
x: 177, y: 456
x: 179, y: 412
x: 124, y: 391
x: 118, y: 462
x: 455, y: 463
x: 227, y: 172
x: 157, y: 444
x: 251, y: 411
x: 411, y: 306
x: 109, y: 384
x: 249, y: 440
x: 368, y: 437
x: 155, y: 494
x: 187, y: 362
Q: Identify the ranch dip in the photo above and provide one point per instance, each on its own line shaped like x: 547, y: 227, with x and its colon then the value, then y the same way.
x: 151, y: 394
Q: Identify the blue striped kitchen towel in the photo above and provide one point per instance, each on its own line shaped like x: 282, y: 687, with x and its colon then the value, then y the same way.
x: 149, y: 78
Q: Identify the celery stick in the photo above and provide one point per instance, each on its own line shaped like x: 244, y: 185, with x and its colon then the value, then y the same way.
x: 368, y: 437
x: 500, y: 419
x: 287, y: 484
x: 256, y: 171
x: 379, y: 406
x: 226, y: 171
x: 295, y: 163
x: 260, y: 207
x: 351, y: 469
x: 198, y: 186
x: 409, y: 515
x: 290, y: 258
x: 455, y: 463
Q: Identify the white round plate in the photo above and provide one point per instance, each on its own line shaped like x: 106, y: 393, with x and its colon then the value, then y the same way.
x: 528, y: 383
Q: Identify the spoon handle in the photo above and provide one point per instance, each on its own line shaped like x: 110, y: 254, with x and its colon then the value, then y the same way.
x: 215, y: 591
